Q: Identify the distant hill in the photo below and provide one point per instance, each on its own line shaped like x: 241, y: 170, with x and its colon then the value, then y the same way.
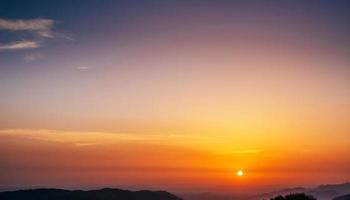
x: 322, y: 192
x: 344, y: 197
x: 103, y: 194
x: 299, y: 196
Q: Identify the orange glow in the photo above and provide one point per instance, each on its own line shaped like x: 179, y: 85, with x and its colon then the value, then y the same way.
x: 105, y: 158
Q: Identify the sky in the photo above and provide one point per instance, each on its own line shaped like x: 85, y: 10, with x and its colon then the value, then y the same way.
x: 174, y: 95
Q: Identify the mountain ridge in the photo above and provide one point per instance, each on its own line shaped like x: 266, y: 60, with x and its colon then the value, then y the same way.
x: 321, y: 192
x: 99, y: 194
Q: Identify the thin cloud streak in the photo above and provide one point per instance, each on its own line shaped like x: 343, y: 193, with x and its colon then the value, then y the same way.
x: 42, y: 27
x: 39, y: 27
x: 19, y: 45
x: 84, y: 67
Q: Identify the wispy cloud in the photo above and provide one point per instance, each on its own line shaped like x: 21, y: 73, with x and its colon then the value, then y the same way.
x: 19, y: 45
x: 83, y: 67
x: 42, y: 27
x: 88, y: 138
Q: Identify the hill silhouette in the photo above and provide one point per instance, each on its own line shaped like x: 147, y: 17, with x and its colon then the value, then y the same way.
x: 322, y: 192
x: 103, y: 194
x: 344, y: 197
x: 300, y: 196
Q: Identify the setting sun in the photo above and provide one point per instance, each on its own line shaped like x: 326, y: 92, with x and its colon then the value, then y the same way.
x: 240, y: 173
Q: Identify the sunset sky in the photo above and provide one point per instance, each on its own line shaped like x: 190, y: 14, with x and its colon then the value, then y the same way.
x: 174, y: 95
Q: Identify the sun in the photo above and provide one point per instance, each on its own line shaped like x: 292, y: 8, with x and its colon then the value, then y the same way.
x: 240, y: 173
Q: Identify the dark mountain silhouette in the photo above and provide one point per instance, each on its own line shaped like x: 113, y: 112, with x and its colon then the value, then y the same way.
x: 103, y: 194
x: 322, y: 192
x: 344, y: 197
x: 300, y: 196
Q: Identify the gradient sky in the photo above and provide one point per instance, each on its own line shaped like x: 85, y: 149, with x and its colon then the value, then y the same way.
x: 174, y: 95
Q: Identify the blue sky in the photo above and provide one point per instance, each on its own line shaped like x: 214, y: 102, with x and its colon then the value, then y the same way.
x: 52, y: 47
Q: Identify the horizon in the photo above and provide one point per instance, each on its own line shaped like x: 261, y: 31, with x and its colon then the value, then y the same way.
x: 184, y: 96
x: 186, y: 194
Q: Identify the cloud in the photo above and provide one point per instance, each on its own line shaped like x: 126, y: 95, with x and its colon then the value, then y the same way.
x: 19, y: 45
x: 42, y: 27
x: 83, y: 67
x: 88, y: 138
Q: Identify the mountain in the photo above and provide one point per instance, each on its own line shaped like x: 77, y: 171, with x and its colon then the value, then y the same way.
x: 344, y: 197
x: 282, y: 192
x: 322, y: 192
x: 299, y: 196
x: 103, y: 194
